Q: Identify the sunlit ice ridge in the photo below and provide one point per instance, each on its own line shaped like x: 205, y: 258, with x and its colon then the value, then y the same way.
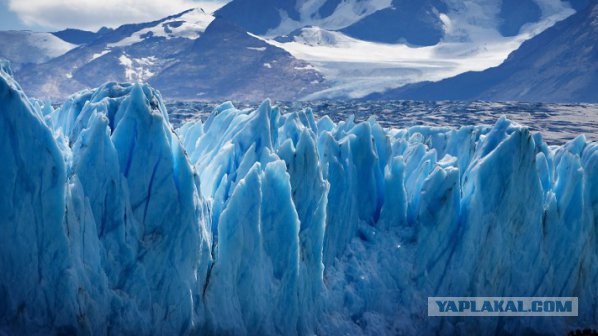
x: 258, y: 222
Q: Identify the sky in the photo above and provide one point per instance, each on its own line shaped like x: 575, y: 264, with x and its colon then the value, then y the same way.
x: 53, y: 15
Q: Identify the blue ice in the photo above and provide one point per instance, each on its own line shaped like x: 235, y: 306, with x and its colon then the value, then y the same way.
x: 270, y: 222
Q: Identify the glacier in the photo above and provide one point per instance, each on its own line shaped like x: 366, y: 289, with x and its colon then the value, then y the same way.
x: 265, y: 222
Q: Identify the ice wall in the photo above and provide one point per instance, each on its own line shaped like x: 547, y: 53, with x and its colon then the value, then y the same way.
x: 263, y: 222
x: 103, y: 229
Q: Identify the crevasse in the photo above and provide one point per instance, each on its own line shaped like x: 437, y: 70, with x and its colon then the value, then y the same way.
x: 263, y: 222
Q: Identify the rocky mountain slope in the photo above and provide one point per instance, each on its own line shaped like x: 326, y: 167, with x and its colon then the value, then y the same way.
x: 169, y: 53
x: 289, y: 49
x: 558, y: 65
x: 229, y: 63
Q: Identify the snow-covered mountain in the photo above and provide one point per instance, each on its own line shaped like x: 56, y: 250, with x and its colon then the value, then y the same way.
x: 259, y: 222
x: 26, y: 47
x: 128, y: 53
x: 558, y: 65
x: 228, y: 63
x: 408, y: 21
x: 418, y: 22
x: 279, y: 17
x: 327, y: 48
x: 154, y: 52
x: 457, y: 36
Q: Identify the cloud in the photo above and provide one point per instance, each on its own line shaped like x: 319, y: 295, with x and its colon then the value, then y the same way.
x: 93, y: 14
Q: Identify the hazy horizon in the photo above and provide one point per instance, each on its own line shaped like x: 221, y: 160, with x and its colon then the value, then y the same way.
x: 51, y: 16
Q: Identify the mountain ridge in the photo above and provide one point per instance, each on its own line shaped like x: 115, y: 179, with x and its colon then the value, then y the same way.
x: 331, y: 49
x: 140, y: 52
x: 558, y: 65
